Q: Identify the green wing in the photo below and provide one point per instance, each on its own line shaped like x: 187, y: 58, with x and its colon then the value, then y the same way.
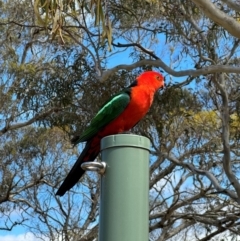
x: 111, y: 110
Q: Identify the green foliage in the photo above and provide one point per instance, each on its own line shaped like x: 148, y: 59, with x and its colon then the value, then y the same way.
x: 54, y: 56
x: 54, y: 14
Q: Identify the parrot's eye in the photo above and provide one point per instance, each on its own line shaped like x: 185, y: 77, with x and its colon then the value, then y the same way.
x: 158, y: 77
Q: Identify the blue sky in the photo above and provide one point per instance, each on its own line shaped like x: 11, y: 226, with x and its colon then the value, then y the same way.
x: 164, y: 51
x: 19, y: 237
x: 20, y: 233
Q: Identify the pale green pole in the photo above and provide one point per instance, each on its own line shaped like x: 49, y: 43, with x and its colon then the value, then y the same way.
x: 124, y: 208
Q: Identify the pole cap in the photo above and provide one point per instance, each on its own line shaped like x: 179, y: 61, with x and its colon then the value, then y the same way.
x: 127, y: 140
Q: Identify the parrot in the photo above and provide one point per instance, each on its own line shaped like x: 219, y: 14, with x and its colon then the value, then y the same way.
x: 118, y: 115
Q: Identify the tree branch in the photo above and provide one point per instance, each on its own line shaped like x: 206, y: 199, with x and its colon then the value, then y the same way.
x: 37, y: 117
x: 219, y: 17
x: 225, y: 135
x: 147, y: 51
x: 159, y: 63
x: 208, y: 174
x: 232, y: 5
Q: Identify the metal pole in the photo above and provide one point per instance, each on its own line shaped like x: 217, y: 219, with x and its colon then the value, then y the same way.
x: 124, y: 208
